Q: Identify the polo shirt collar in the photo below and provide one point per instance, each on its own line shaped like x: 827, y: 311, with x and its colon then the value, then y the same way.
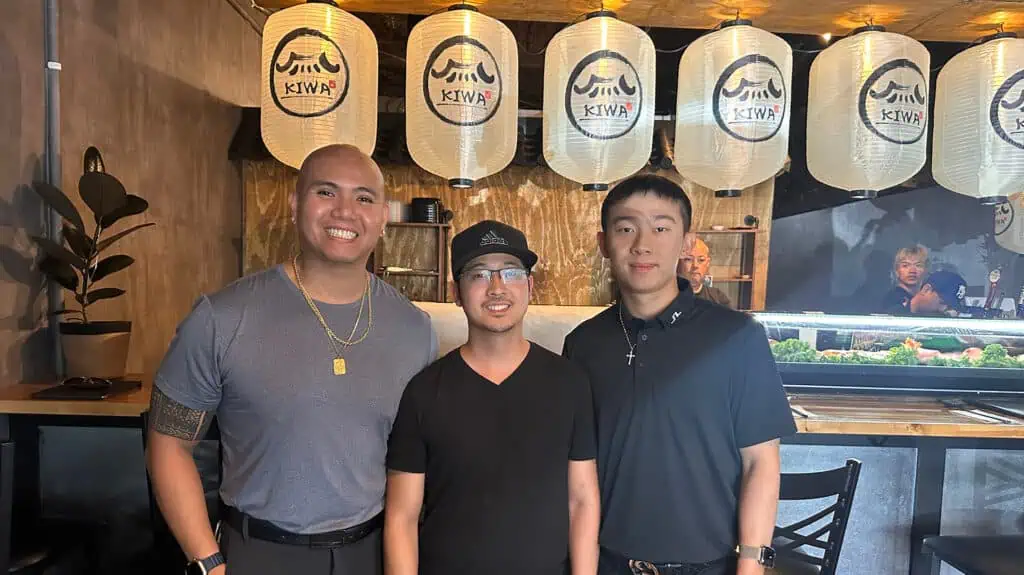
x: 672, y: 315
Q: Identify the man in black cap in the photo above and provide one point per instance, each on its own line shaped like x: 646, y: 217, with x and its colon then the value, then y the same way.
x: 496, y: 437
x: 941, y: 294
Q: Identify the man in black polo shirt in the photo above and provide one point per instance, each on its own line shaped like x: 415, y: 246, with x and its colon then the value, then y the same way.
x: 689, y: 404
x: 496, y: 437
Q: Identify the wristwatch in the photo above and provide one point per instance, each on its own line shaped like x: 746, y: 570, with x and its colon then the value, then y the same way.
x: 204, y: 566
x: 763, y: 555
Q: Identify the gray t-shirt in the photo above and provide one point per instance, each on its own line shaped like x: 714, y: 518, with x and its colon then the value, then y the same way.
x: 303, y: 448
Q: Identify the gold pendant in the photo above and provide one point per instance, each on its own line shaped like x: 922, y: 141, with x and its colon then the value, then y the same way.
x: 339, y: 366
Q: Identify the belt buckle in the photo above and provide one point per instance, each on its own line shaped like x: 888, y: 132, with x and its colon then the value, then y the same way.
x: 643, y: 567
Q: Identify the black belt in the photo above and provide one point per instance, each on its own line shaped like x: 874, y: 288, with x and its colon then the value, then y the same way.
x: 639, y: 567
x: 249, y: 526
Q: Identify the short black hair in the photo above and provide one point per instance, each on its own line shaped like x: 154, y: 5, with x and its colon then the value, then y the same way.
x: 646, y: 184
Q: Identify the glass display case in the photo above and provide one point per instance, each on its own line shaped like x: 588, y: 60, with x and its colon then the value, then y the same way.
x: 884, y: 352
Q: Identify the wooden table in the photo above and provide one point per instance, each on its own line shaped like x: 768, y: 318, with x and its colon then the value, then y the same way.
x: 980, y: 555
x: 931, y: 424
x: 21, y: 415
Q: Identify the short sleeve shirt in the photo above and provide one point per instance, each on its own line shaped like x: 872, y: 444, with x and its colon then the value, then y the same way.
x: 671, y: 422
x: 496, y: 459
x: 303, y: 448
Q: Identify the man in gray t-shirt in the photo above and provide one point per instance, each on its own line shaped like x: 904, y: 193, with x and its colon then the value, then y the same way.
x: 303, y: 365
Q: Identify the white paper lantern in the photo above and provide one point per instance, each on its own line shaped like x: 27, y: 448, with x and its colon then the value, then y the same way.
x: 319, y: 82
x: 978, y: 149
x: 462, y: 95
x: 1009, y: 223
x: 732, y: 108
x: 867, y: 111
x: 598, y: 101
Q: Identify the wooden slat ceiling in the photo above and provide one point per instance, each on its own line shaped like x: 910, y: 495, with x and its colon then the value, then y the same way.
x: 932, y: 20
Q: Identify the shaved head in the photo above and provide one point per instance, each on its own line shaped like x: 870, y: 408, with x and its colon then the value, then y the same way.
x: 344, y: 154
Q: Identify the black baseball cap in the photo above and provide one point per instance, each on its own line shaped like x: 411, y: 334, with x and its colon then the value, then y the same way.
x: 489, y: 237
x: 950, y: 286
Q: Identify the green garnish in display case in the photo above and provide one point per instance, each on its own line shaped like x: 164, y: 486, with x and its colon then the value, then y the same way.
x: 910, y: 352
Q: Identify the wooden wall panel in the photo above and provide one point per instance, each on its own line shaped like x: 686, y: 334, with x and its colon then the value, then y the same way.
x: 24, y: 347
x: 559, y: 219
x: 157, y: 86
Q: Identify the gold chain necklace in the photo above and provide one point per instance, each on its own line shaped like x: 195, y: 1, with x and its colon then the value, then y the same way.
x: 339, y: 361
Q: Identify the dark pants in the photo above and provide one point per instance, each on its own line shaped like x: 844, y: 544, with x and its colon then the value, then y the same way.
x: 251, y: 556
x: 612, y: 563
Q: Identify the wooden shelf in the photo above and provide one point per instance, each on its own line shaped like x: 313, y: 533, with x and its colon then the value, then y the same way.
x: 416, y: 225
x: 412, y: 273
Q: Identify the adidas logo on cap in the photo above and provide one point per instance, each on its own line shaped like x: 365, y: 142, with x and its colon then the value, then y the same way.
x: 492, y: 238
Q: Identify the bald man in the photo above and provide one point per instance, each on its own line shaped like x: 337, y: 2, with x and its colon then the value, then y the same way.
x: 303, y: 365
x: 694, y: 266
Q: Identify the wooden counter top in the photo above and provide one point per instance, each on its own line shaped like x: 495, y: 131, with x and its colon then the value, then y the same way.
x: 900, y: 415
x: 17, y: 399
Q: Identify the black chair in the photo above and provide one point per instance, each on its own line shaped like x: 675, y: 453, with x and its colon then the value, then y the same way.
x: 793, y: 547
x: 6, y: 503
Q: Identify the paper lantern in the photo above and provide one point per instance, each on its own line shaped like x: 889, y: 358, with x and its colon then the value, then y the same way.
x: 978, y: 149
x: 867, y: 111
x: 598, y: 101
x: 462, y: 95
x: 319, y: 82
x: 1009, y: 223
x: 732, y: 108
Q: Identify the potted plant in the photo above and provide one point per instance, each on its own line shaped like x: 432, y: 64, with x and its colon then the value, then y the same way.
x: 95, y: 349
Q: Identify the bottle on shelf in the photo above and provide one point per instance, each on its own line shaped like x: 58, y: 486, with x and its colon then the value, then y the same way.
x: 1020, y: 303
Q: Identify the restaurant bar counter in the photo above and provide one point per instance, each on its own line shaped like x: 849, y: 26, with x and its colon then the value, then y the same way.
x: 933, y: 408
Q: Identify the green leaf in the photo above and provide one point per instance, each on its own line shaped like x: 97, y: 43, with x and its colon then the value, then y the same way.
x: 98, y: 294
x: 80, y: 243
x: 59, y: 202
x: 110, y: 265
x: 104, y: 244
x: 60, y: 272
x: 133, y: 205
x: 59, y: 252
x: 102, y: 192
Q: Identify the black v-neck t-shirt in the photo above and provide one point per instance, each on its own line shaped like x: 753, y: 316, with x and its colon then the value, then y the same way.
x: 496, y: 459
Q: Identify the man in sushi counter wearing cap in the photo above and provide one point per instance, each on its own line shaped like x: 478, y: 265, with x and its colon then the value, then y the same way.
x: 689, y: 404
x: 496, y: 438
x: 942, y: 294
x: 303, y: 364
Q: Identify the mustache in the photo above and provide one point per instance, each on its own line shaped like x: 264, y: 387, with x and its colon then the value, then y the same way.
x: 1018, y: 104
x: 889, y: 96
x: 770, y: 90
x: 595, y: 80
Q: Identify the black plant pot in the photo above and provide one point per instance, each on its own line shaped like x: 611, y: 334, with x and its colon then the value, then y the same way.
x: 95, y: 349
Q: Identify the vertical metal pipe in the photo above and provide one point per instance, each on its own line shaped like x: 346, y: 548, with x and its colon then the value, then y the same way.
x: 53, y: 164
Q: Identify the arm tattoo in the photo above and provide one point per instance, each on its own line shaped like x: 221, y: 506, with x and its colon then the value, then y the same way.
x: 172, y: 418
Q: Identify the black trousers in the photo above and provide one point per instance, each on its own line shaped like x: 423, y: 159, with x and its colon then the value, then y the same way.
x: 611, y: 563
x: 251, y: 556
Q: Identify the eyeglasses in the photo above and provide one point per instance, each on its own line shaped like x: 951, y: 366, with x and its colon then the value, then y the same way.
x: 87, y: 382
x: 508, y: 275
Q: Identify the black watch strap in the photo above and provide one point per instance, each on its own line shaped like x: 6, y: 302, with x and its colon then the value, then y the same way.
x: 207, y: 564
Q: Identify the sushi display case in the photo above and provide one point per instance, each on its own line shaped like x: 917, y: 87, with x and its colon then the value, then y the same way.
x: 819, y: 352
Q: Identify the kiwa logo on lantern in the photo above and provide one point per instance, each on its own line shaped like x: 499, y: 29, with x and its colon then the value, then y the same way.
x: 893, y: 102
x: 1006, y: 112
x: 749, y: 101
x: 603, y: 97
x: 462, y: 82
x: 309, y: 75
x: 1003, y: 217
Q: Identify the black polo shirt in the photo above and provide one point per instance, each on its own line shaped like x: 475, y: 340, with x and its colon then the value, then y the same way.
x: 670, y: 426
x: 496, y: 459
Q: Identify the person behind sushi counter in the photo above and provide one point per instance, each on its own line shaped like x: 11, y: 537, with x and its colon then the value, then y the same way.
x: 689, y: 404
x: 694, y: 266
x: 909, y: 267
x: 941, y: 294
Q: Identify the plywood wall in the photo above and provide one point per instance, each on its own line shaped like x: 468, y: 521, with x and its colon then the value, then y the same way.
x: 157, y: 87
x: 24, y: 349
x: 559, y: 219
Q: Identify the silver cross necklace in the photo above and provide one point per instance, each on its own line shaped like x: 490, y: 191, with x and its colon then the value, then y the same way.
x: 625, y: 332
